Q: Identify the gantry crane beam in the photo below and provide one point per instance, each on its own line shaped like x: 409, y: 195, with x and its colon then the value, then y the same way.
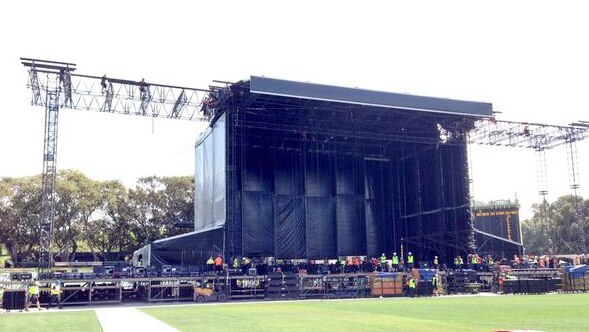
x: 54, y: 85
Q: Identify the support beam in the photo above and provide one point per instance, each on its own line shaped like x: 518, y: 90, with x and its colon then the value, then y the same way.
x: 48, y: 183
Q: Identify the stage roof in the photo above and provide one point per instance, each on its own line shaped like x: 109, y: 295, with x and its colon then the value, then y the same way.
x: 277, y: 87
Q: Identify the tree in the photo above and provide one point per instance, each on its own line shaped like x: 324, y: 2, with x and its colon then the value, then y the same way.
x: 158, y: 205
x: 78, y: 198
x: 178, y: 200
x: 20, y: 206
x: 103, y: 217
x: 558, y: 228
x: 109, y: 230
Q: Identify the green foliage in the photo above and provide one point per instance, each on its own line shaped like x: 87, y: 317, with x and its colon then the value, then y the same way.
x: 4, y: 257
x: 104, y: 217
x: 20, y: 206
x: 561, y: 227
x: 158, y: 204
x: 78, y: 199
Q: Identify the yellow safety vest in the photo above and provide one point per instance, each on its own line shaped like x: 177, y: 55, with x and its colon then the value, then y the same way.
x: 34, y: 290
x: 410, y: 259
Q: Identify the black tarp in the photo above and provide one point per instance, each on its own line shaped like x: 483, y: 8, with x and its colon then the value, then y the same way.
x: 258, y: 223
x: 317, y: 205
x: 350, y: 226
x: 187, y: 249
x: 290, y: 226
x: 321, y: 231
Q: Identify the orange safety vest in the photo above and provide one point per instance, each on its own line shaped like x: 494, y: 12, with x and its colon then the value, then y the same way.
x: 218, y: 261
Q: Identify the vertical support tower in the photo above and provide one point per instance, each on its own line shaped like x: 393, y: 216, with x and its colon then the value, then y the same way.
x: 49, y: 176
x: 47, y: 94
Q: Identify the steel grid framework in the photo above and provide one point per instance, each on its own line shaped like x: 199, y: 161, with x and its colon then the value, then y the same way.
x: 104, y: 94
x: 62, y: 88
x: 525, y: 134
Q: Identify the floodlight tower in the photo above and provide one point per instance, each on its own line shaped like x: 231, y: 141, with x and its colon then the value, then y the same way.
x: 60, y: 87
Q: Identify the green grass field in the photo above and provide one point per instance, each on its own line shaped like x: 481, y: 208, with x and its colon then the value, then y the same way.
x: 566, y: 312
x: 63, y: 321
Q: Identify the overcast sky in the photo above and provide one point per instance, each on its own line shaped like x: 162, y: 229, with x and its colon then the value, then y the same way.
x: 528, y: 58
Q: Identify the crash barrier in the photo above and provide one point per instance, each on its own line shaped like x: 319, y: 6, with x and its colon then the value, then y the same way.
x: 463, y: 281
x: 14, y: 300
x: 206, y: 287
x: 334, y: 285
x: 576, y: 284
x: 576, y: 279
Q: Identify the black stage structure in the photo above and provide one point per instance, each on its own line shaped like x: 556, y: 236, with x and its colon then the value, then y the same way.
x: 297, y: 170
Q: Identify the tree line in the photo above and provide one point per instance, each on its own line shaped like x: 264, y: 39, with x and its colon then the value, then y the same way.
x: 105, y: 217
x: 100, y: 217
x: 560, y: 227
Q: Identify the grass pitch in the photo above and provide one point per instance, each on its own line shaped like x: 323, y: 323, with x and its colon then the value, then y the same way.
x: 566, y: 312
x: 62, y: 321
x: 563, y: 312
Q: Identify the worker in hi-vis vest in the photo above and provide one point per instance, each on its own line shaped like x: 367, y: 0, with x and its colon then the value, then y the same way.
x: 410, y: 260
x: 395, y: 262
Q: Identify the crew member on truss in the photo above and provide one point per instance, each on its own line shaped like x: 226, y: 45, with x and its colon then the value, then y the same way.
x: 209, y: 103
x: 526, y: 131
x: 142, y: 89
x: 66, y: 82
x: 103, y: 83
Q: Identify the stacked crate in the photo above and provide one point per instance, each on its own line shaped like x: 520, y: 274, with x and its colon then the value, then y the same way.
x: 463, y: 281
x: 282, y: 286
x: 386, y: 284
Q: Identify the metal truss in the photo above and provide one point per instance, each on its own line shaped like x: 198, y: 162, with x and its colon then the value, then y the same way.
x: 48, y: 183
x: 62, y: 88
x: 524, y: 134
x: 85, y: 92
